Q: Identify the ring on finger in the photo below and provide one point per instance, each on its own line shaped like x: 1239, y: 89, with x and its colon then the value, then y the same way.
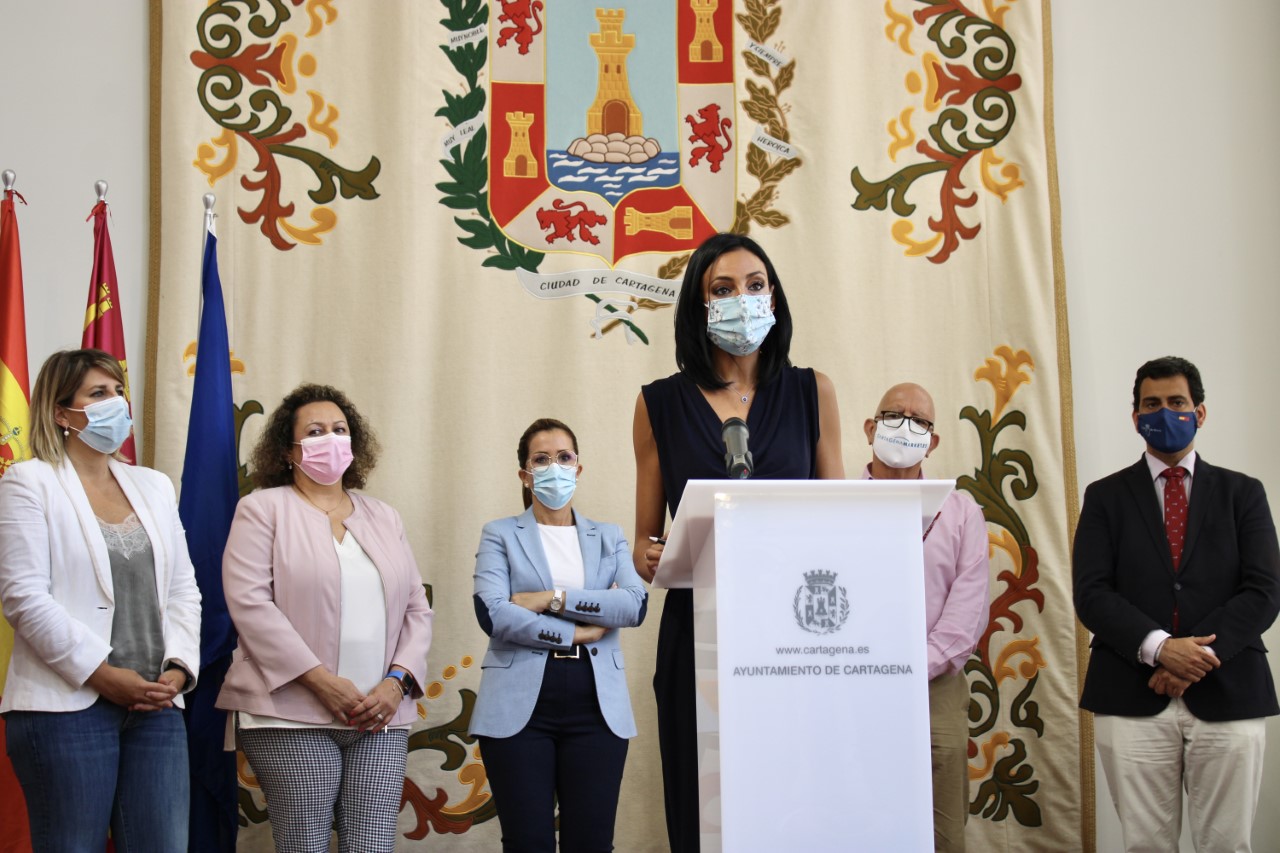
x: 379, y: 716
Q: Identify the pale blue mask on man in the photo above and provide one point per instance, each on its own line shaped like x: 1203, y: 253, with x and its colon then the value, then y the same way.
x: 738, y: 324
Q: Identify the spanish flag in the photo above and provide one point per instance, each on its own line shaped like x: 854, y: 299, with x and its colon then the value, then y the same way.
x: 15, y: 425
x: 103, y: 328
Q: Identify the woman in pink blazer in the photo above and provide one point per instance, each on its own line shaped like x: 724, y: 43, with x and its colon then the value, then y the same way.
x: 334, y: 628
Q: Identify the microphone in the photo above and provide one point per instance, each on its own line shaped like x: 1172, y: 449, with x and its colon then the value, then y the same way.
x: 737, y: 459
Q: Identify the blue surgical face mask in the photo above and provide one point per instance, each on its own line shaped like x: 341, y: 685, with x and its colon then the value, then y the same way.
x: 109, y: 424
x: 738, y: 324
x: 554, y: 486
x: 1166, y: 430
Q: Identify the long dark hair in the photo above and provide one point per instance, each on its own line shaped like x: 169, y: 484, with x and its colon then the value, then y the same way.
x: 522, y: 449
x: 693, y: 347
x: 270, y: 460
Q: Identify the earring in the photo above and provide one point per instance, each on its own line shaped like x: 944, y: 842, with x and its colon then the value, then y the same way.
x: 65, y: 432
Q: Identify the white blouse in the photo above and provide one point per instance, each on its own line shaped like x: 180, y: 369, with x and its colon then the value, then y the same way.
x: 362, y: 636
x: 564, y: 556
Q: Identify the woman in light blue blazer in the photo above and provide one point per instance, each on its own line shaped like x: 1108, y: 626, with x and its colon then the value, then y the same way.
x: 553, y: 715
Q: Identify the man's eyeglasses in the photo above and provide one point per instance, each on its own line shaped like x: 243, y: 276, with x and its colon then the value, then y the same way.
x: 893, y: 420
x: 540, y: 462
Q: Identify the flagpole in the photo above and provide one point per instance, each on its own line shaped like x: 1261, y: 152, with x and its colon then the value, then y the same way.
x: 100, y: 187
x: 209, y: 200
x: 10, y: 178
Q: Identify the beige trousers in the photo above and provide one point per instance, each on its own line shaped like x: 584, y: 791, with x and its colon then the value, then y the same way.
x: 1148, y: 761
x: 949, y: 743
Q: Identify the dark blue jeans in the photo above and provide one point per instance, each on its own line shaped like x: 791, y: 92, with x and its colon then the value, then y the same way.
x: 567, y: 753
x: 106, y: 765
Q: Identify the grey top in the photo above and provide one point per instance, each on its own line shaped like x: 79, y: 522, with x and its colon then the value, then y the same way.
x: 137, y: 635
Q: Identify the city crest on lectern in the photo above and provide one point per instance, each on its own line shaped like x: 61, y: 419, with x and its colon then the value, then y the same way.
x: 820, y: 606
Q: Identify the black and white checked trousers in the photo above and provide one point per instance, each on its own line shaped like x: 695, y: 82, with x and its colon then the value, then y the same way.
x: 319, y: 780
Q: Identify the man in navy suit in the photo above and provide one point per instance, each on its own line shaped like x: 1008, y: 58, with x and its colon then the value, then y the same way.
x: 1177, y: 574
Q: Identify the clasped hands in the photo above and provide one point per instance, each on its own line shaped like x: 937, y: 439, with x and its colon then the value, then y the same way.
x: 130, y: 690
x: 539, y: 601
x: 372, y: 712
x: 1182, y: 662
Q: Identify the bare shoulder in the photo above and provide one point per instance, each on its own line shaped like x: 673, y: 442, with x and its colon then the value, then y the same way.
x: 824, y: 383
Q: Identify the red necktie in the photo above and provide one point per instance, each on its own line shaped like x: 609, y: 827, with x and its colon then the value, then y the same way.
x: 1175, y: 511
x: 1175, y: 519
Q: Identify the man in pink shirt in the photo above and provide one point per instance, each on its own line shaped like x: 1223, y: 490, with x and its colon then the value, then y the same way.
x: 956, y: 565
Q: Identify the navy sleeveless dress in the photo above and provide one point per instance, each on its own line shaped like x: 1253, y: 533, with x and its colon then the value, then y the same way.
x: 783, y: 423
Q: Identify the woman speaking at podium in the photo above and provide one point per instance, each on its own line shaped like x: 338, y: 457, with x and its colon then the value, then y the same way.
x: 733, y: 336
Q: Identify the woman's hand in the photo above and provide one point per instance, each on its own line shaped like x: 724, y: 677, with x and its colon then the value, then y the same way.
x: 652, y: 555
x: 375, y: 712
x: 588, y: 633
x: 126, y: 688
x: 338, y: 695
x: 538, y: 602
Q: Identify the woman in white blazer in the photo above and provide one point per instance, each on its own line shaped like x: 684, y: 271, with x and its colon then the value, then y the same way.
x: 96, y: 582
x: 553, y: 715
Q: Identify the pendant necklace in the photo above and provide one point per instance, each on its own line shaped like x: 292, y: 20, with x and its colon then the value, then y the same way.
x: 306, y: 498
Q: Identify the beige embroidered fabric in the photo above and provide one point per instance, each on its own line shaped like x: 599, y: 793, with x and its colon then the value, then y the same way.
x: 451, y: 209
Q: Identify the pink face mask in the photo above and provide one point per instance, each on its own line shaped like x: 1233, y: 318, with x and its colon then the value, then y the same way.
x: 325, y: 458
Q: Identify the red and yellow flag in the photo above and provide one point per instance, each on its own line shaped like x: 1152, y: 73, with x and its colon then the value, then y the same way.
x: 103, y: 328
x: 15, y: 446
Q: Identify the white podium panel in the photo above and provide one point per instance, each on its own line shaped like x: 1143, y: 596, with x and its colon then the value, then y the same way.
x: 812, y: 688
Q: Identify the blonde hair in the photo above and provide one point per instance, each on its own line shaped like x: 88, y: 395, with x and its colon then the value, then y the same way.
x: 59, y: 379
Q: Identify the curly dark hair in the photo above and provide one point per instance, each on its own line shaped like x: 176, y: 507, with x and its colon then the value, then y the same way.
x: 522, y: 449
x: 270, y: 461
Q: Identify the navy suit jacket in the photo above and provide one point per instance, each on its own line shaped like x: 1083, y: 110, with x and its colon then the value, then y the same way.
x: 510, y: 560
x: 1228, y: 584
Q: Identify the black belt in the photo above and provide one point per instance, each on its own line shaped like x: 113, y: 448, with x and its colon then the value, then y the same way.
x: 576, y: 652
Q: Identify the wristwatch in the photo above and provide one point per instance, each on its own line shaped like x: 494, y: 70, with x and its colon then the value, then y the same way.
x: 403, y: 678
x: 557, y: 602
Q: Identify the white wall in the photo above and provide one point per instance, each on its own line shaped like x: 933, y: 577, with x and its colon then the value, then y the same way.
x: 74, y: 111
x: 1165, y: 124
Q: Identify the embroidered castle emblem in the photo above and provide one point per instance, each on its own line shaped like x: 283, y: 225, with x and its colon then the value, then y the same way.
x: 610, y: 126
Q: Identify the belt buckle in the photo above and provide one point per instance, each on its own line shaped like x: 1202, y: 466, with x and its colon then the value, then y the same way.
x: 577, y: 652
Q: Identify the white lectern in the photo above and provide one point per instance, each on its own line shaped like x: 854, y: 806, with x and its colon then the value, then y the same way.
x: 812, y: 691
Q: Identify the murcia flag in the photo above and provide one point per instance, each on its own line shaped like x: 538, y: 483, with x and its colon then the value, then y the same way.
x: 103, y: 328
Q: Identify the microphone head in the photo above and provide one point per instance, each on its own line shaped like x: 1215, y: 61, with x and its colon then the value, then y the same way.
x: 737, y: 458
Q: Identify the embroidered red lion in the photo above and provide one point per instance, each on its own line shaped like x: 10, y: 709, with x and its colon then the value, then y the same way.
x: 562, y: 219
x: 709, y: 131
x: 518, y: 12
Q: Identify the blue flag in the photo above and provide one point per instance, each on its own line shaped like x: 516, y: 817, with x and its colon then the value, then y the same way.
x: 210, y: 490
